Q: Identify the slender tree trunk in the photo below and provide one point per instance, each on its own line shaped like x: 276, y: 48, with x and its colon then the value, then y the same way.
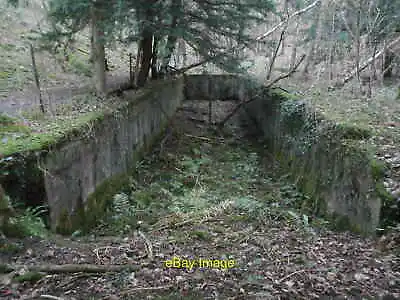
x: 374, y: 60
x: 286, y: 12
x: 310, y: 53
x: 271, y: 65
x: 98, y: 52
x: 154, y: 70
x: 358, y: 43
x: 36, y: 76
x: 172, y: 38
x: 388, y: 64
x: 294, y: 50
x: 398, y: 92
x: 147, y: 54
x: 146, y: 46
x: 332, y: 47
x: 137, y: 64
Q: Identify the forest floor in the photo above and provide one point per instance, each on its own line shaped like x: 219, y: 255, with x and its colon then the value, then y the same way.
x: 198, y: 195
x: 208, y: 195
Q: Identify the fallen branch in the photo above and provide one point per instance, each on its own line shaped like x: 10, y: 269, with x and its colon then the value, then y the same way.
x: 295, y: 14
x: 74, y: 268
x: 198, y: 137
x: 268, y: 85
x: 151, y: 288
x: 290, y: 275
x: 51, y: 297
x: 148, y: 244
x: 367, y: 63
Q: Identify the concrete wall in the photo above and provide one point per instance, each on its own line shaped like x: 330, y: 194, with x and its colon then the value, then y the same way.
x: 332, y: 168
x: 80, y: 172
x: 108, y: 148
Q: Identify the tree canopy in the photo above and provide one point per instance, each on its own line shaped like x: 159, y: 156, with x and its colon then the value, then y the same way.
x: 214, y: 29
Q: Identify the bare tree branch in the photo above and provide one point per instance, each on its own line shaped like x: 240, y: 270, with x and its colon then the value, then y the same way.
x: 295, y: 14
x: 367, y: 63
x: 346, y: 24
x: 271, y: 65
x: 266, y: 86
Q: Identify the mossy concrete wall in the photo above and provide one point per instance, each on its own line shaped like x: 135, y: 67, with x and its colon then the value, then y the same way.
x: 330, y: 163
x: 108, y: 148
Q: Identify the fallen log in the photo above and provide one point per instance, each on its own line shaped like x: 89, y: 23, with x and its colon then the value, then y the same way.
x: 71, y: 268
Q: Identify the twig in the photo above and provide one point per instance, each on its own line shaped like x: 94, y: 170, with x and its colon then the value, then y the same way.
x: 149, y: 247
x: 51, y: 297
x: 151, y: 288
x: 290, y: 275
x: 198, y: 137
x: 271, y: 65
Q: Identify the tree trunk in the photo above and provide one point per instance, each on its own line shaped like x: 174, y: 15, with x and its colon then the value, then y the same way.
x: 286, y: 12
x: 146, y: 45
x: 98, y: 52
x: 388, y: 64
x: 332, y: 47
x: 310, y: 53
x: 154, y: 70
x: 358, y: 43
x: 294, y: 49
x: 172, y: 38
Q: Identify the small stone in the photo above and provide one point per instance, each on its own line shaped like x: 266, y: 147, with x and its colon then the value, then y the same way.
x: 396, y: 193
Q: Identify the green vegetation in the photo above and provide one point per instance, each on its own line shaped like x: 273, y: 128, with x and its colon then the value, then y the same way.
x: 29, y: 222
x: 196, y: 182
x: 324, y: 157
x: 30, y: 277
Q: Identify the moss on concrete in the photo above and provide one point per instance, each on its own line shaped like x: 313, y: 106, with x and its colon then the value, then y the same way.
x: 324, y: 157
x: 61, y: 132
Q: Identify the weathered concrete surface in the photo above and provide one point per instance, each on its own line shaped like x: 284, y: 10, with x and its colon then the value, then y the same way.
x: 336, y: 172
x: 109, y: 147
x: 216, y: 87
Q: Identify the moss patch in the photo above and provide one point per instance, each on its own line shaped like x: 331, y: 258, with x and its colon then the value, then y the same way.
x: 60, y: 132
x: 351, y: 131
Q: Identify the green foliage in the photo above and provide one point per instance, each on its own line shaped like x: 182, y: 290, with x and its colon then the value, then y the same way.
x: 212, y: 28
x: 6, y: 120
x: 29, y: 223
x: 200, y: 234
x: 30, y: 277
x: 80, y: 66
x: 123, y: 214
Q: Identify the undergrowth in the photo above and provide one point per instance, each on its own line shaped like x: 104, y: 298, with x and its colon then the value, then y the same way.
x: 199, y: 182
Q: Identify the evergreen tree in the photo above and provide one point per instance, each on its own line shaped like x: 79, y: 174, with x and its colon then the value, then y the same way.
x: 214, y: 29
